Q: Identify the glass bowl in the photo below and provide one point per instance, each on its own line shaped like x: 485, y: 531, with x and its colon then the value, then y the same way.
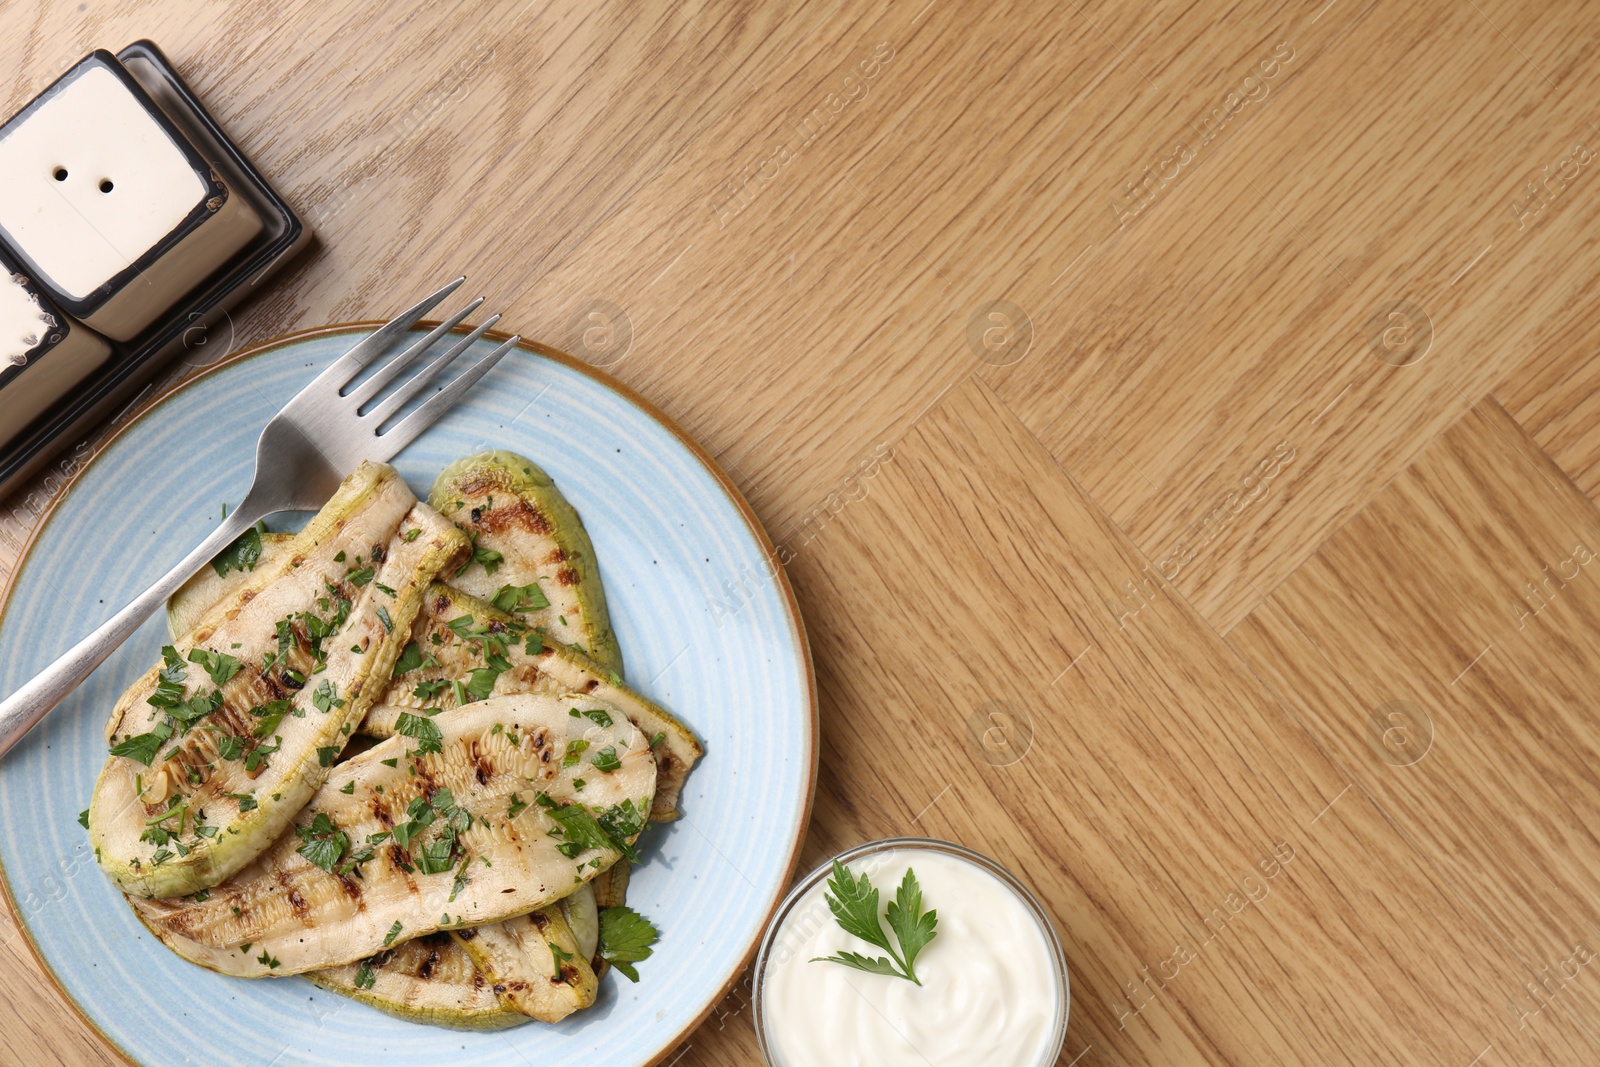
x: 770, y: 945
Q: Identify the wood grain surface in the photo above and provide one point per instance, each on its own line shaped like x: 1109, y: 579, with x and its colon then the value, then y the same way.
x: 1182, y: 417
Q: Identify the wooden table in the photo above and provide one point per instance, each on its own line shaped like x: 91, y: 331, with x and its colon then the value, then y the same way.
x: 1181, y: 417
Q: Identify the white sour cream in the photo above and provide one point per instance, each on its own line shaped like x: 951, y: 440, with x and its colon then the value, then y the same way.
x: 990, y: 986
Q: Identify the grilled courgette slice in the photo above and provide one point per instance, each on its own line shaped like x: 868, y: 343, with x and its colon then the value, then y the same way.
x: 531, y: 553
x: 429, y: 980
x: 214, y: 751
x: 488, y: 812
x: 534, y: 963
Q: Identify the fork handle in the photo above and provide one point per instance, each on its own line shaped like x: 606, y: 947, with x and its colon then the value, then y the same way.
x: 22, y: 709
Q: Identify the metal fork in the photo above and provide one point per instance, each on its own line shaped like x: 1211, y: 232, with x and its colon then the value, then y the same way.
x: 320, y: 435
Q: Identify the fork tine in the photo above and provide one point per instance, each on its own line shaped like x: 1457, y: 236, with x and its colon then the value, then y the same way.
x: 407, y: 428
x: 345, y: 367
x: 386, y: 374
x: 419, y: 381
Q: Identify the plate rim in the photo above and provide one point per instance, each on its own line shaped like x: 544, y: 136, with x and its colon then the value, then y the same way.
x: 752, y: 522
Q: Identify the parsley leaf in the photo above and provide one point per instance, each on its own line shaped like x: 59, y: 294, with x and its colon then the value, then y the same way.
x: 219, y: 665
x: 854, y: 903
x: 326, y: 697
x: 410, y: 659
x: 581, y: 829
x: 625, y: 939
x: 365, y: 979
x: 322, y: 842
x: 912, y: 927
x: 606, y: 759
x: 425, y: 730
x: 242, y: 555
x: 481, y: 682
x: 143, y: 747
x: 394, y: 932
x: 169, y: 681
x: 520, y: 598
x: 487, y: 556
x: 271, y: 714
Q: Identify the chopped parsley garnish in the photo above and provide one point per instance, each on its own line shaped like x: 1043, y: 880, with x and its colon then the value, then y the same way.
x: 257, y: 757
x: 365, y: 979
x: 350, y: 787
x: 322, y: 842
x: 143, y: 747
x: 606, y: 759
x: 83, y: 816
x: 380, y: 587
x: 326, y: 756
x: 394, y: 932
x: 520, y: 598
x: 271, y: 715
x: 518, y: 805
x: 267, y: 960
x: 359, y: 577
x: 461, y: 878
x: 465, y: 627
x: 575, y: 750
x: 429, y: 690
x: 242, y: 555
x: 247, y: 801
x: 581, y: 829
x: 412, y: 535
x: 487, y: 556
x: 219, y: 665
x: 480, y: 683
x: 383, y: 617
x: 410, y: 659
x: 425, y: 730
x: 559, y: 955
x: 326, y: 697
x: 597, y: 715
x: 230, y: 747
x: 622, y: 821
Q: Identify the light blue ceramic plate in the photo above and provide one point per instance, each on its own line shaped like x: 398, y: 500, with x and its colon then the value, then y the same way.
x: 705, y: 628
